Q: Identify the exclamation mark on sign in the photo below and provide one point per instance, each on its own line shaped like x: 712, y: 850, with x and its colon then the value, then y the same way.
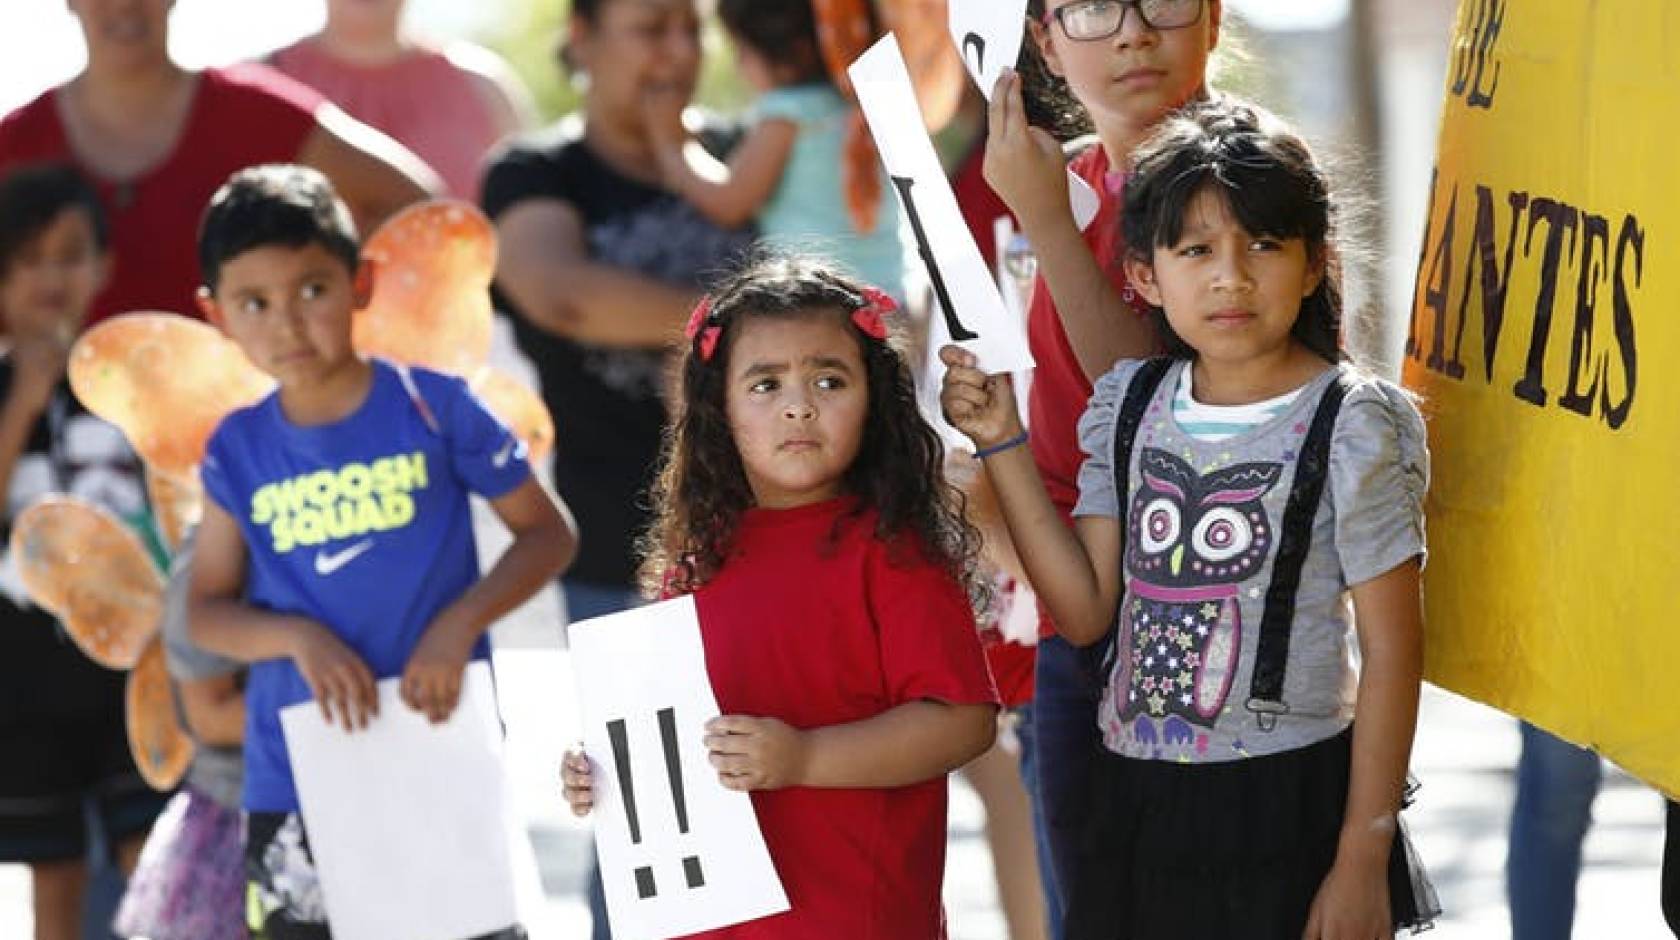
x: 673, y: 767
x: 620, y: 739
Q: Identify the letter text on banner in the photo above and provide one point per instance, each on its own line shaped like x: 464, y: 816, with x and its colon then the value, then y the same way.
x: 1544, y: 343
x: 679, y: 853
x: 974, y: 312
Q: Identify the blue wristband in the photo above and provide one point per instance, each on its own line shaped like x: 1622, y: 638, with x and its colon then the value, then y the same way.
x: 999, y: 448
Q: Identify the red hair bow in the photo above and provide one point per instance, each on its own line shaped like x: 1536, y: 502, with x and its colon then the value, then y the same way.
x: 699, y: 327
x: 869, y: 317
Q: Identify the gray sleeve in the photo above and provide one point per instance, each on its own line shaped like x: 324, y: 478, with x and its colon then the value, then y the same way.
x: 1379, y: 473
x: 1097, y: 496
x: 185, y: 660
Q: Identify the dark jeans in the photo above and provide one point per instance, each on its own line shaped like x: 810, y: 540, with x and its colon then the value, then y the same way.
x: 1065, y: 739
x: 1556, y: 785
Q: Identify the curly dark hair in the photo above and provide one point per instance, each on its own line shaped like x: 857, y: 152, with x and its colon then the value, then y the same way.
x: 1267, y: 177
x: 702, y: 488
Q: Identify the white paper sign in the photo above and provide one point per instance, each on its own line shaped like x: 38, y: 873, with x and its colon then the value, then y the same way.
x: 410, y: 823
x: 967, y: 298
x: 988, y: 34
x: 679, y: 853
x: 933, y: 368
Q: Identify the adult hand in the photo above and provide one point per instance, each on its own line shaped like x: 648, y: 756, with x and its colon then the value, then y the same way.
x: 755, y: 753
x: 341, y: 683
x: 979, y: 405
x: 1024, y: 164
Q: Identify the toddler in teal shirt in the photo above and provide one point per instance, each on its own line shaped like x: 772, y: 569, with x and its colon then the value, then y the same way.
x: 785, y: 172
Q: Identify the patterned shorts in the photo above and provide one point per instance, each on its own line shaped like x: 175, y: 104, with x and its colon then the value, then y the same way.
x: 283, y: 895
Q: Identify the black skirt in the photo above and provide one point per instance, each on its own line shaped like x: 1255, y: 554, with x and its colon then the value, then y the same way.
x: 1224, y: 850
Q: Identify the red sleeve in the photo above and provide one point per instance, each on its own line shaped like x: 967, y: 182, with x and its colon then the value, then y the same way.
x: 31, y: 134
x: 281, y: 107
x: 930, y: 647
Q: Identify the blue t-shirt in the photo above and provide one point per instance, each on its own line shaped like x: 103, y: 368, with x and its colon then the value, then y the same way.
x: 362, y: 525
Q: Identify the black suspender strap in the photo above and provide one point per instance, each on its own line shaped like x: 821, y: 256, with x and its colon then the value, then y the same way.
x: 1312, y: 468
x: 1139, y: 392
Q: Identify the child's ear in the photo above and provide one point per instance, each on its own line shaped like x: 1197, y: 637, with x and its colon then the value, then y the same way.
x: 1039, y: 35
x: 1318, y: 263
x: 1141, y: 275
x: 212, y: 311
x: 361, y: 287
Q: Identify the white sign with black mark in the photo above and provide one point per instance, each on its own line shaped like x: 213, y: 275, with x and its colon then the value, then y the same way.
x: 968, y: 299
x: 679, y: 852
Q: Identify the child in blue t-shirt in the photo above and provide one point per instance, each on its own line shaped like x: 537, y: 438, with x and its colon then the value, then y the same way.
x: 336, y: 547
x: 785, y: 172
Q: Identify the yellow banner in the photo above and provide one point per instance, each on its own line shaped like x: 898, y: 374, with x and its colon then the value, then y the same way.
x: 1545, y: 339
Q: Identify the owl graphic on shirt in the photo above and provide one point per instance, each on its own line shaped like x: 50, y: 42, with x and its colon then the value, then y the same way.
x: 1192, y: 540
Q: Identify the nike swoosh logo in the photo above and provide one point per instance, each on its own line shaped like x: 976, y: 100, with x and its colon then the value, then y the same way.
x: 505, y: 454
x: 326, y: 563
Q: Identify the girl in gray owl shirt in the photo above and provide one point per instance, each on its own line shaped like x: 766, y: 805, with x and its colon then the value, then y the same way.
x: 1234, y: 493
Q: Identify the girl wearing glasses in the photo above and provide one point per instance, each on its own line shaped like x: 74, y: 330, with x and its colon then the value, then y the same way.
x: 1109, y: 72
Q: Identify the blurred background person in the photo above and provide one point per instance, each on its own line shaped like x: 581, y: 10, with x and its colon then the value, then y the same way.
x: 449, y: 102
x: 62, y: 716
x: 783, y: 172
x: 1557, y: 783
x: 157, y: 139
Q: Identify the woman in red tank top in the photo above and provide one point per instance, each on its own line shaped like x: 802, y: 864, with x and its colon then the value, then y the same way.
x: 157, y: 140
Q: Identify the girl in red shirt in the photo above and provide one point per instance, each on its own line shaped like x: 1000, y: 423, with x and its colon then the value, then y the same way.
x: 801, y: 503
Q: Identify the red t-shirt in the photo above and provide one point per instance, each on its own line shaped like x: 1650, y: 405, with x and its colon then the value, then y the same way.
x: 820, y: 626
x: 241, y: 116
x: 1060, y: 390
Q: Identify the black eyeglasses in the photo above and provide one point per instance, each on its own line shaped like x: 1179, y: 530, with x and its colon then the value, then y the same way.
x: 1100, y: 19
